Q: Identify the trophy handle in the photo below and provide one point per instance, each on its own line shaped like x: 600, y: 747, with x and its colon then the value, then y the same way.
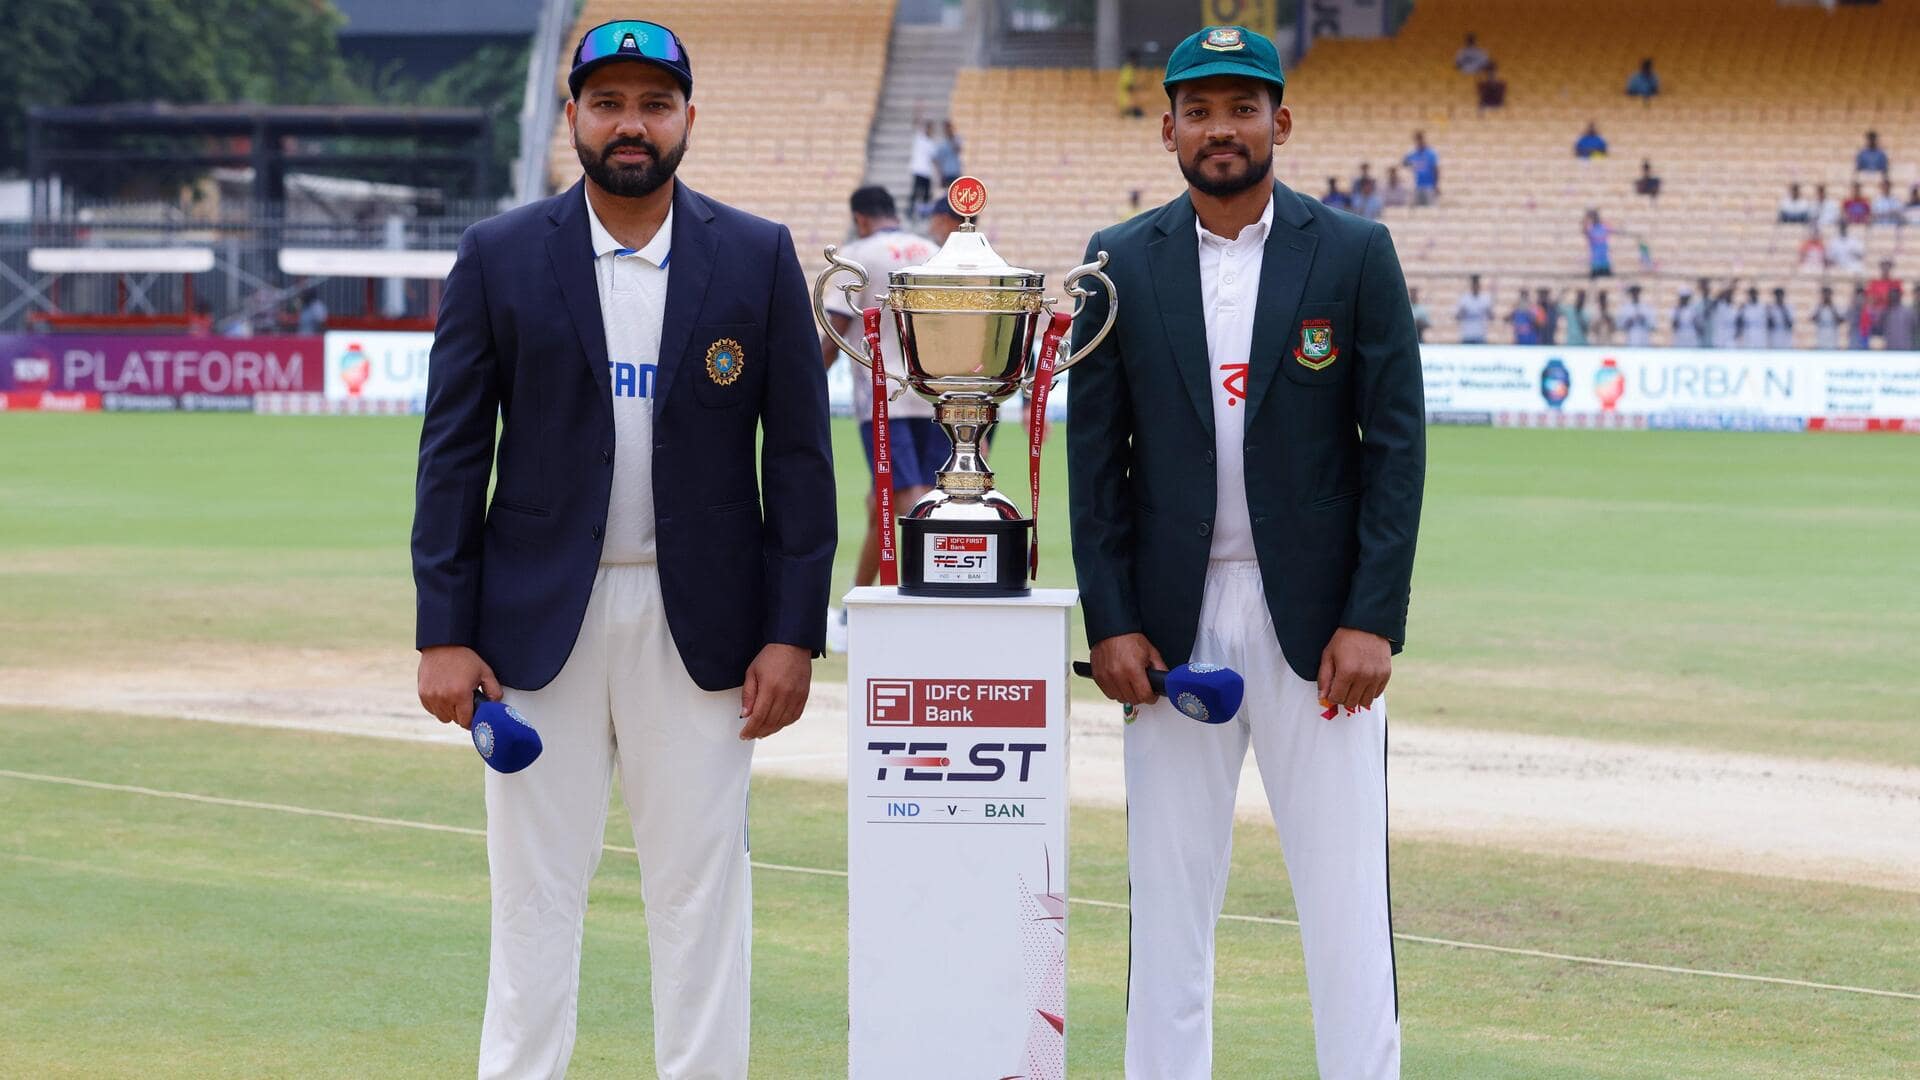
x: 852, y: 289
x: 1080, y: 295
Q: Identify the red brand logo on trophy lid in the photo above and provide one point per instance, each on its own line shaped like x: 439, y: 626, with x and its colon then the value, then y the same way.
x: 967, y: 196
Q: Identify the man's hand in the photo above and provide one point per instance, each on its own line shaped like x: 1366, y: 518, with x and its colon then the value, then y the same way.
x: 1355, y: 668
x: 776, y: 689
x: 1120, y: 666
x: 448, y: 674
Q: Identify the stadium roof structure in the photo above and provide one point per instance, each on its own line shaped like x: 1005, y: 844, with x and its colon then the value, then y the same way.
x: 448, y: 148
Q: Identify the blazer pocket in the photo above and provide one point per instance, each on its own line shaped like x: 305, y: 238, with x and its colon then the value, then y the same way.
x: 1332, y: 501
x: 1319, y: 351
x: 514, y: 507
x: 727, y: 363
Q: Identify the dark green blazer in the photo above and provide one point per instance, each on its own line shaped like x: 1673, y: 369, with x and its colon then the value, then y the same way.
x: 1335, y: 448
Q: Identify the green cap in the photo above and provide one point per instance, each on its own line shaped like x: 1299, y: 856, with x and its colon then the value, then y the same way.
x: 1224, y: 50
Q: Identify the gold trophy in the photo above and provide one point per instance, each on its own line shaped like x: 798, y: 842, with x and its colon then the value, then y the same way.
x: 968, y: 323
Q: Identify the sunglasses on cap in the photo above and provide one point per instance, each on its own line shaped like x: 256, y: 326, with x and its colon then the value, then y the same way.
x: 629, y: 37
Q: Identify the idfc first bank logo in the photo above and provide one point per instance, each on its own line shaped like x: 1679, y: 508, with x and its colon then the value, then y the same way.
x: 960, y: 552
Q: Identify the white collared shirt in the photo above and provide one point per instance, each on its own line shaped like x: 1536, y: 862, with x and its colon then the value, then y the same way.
x: 1229, y: 293
x: 633, y: 301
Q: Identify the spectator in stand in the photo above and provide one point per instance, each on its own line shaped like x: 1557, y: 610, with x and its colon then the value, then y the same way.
x: 1847, y: 254
x: 946, y: 156
x: 1335, y: 197
x: 1750, y: 322
x: 1490, y: 89
x: 1474, y: 312
x: 1827, y: 321
x: 1826, y: 208
x: 1648, y: 184
x: 920, y: 163
x: 1795, y: 209
x: 1857, y: 210
x: 1127, y: 88
x: 1573, y: 319
x: 1814, y: 257
x: 1879, y: 289
x: 1913, y: 206
x: 1598, y: 237
x: 1859, y: 319
x: 1644, y: 84
x: 1422, y: 321
x: 1366, y: 202
x: 1365, y: 174
x: 1601, y: 329
x: 1525, y: 319
x: 1688, y: 315
x: 1636, y: 319
x: 1723, y: 318
x: 1471, y: 58
x: 1779, y: 321
x: 1426, y: 170
x: 1897, y: 323
x: 1871, y: 158
x: 313, y: 316
x: 1887, y: 207
x: 1548, y: 313
x: 1395, y: 194
x: 1590, y: 145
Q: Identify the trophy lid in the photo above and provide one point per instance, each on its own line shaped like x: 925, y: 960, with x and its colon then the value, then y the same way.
x: 966, y: 254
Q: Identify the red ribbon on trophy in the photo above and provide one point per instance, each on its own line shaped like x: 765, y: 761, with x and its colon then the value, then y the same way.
x: 882, y: 447
x: 1057, y: 328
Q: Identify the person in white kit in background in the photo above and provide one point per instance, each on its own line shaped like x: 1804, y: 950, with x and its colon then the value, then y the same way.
x: 645, y: 581
x: 1246, y: 458
x: 918, y: 445
x: 1827, y: 320
x: 1688, y: 314
x: 920, y: 163
x: 1636, y: 318
x: 1473, y: 313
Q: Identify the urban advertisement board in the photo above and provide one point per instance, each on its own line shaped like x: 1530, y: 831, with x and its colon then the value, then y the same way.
x: 1709, y: 389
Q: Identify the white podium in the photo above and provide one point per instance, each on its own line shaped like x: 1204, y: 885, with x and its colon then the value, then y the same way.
x: 957, y: 835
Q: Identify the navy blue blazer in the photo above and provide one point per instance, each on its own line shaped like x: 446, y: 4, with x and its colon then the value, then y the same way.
x: 745, y: 560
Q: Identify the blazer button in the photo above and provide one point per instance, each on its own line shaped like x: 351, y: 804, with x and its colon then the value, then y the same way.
x: 1209, y: 457
x: 598, y: 532
x: 606, y: 457
x: 1205, y: 528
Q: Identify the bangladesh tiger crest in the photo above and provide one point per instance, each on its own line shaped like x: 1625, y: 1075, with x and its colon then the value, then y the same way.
x: 1316, y: 351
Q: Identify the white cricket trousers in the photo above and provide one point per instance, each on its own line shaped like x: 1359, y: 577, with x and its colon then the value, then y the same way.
x: 1327, y: 789
x: 624, y: 696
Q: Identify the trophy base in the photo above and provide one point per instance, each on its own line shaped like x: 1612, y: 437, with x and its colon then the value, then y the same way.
x: 963, y: 558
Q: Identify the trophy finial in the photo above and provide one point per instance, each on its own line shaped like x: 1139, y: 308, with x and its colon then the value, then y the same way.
x: 967, y: 196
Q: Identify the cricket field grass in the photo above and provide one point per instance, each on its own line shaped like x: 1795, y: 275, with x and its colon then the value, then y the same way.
x: 319, y: 906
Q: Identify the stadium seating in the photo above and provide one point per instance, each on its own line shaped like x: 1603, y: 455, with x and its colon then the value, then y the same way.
x: 1753, y: 96
x: 785, y: 94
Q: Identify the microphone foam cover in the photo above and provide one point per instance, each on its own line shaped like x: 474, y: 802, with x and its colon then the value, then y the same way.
x: 1208, y: 693
x: 507, y: 743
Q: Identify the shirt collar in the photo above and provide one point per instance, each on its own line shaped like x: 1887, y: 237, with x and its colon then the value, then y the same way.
x: 657, y: 251
x: 1254, y: 232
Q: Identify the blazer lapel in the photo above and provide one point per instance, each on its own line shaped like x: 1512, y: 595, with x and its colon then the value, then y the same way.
x: 689, y: 271
x: 1175, y: 258
x: 1284, y: 266
x: 570, y: 250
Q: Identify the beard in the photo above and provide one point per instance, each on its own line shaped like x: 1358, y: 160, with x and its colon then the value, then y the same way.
x: 1251, y: 174
x: 629, y: 181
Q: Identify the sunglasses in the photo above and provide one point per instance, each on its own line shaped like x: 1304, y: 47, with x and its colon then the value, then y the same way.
x: 629, y: 37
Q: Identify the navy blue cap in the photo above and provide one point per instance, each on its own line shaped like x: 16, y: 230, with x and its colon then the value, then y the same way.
x: 634, y: 40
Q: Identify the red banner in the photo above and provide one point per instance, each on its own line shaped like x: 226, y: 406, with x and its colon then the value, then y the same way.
x: 882, y: 447
x: 1037, y: 422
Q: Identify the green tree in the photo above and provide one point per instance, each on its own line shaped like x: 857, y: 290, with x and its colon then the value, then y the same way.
x: 92, y: 52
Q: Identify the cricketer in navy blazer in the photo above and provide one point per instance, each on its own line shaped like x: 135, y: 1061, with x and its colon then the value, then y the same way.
x: 744, y: 560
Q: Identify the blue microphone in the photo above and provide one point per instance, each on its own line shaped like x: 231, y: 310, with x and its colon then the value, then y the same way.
x: 507, y: 743
x: 1208, y: 693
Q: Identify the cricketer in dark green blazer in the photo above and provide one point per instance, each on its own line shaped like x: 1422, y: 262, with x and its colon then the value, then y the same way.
x: 1335, y: 433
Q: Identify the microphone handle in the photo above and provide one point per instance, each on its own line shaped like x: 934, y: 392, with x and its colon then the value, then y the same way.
x: 1155, y: 677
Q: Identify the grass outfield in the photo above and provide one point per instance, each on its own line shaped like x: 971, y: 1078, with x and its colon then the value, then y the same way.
x: 154, y: 937
x: 1753, y: 592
